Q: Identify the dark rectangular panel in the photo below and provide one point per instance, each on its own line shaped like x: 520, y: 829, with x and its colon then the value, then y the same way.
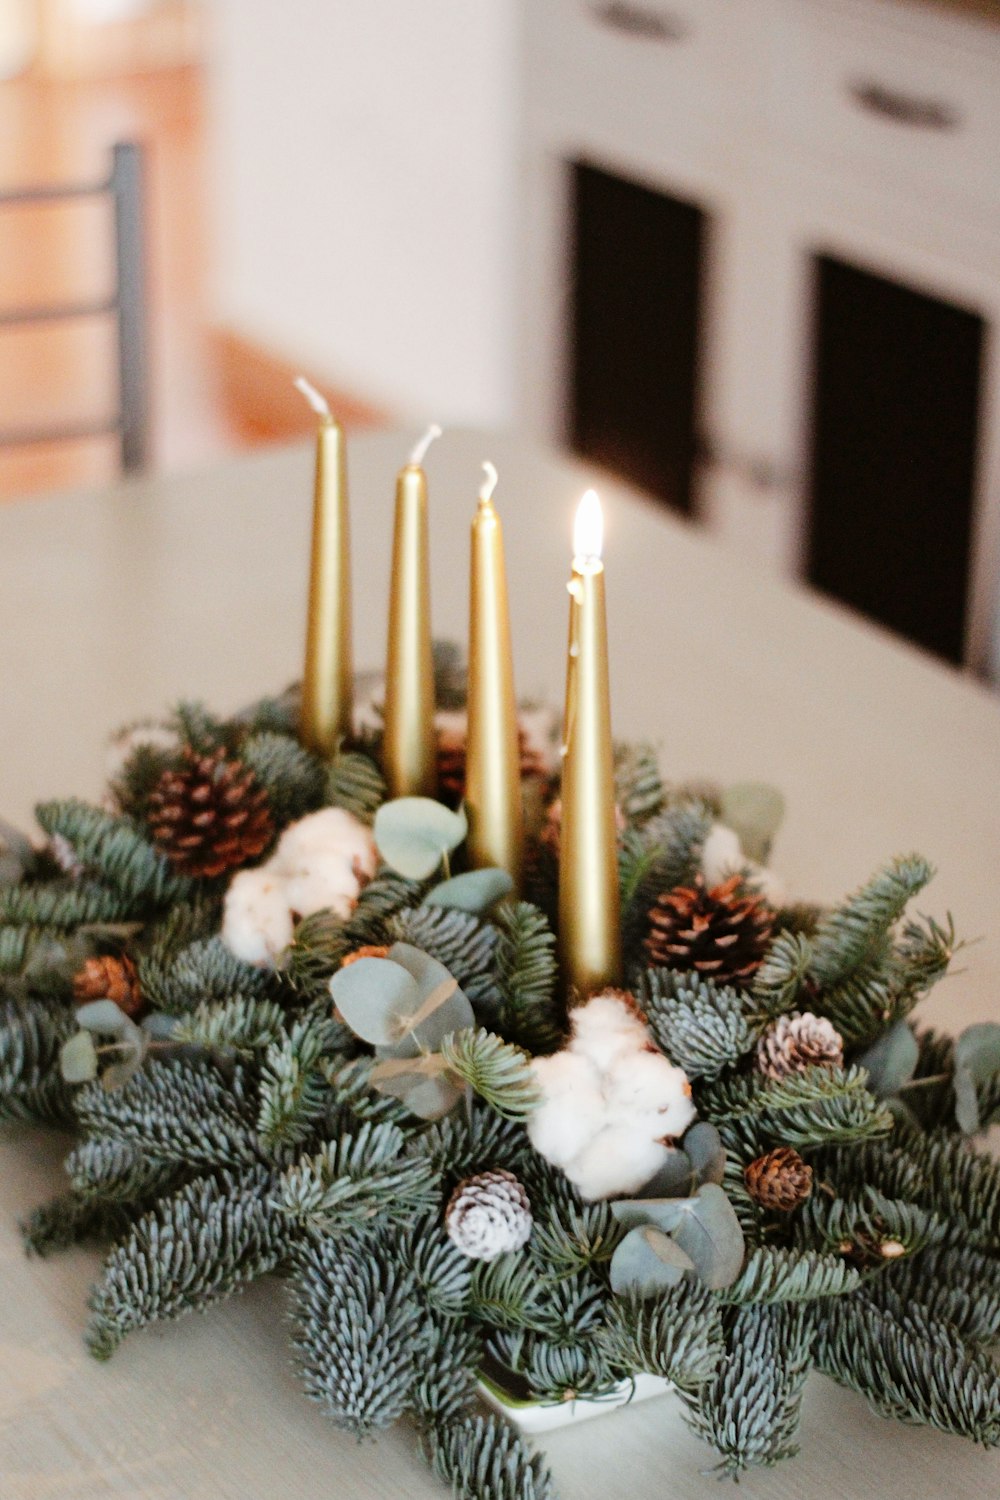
x: 892, y: 484
x: 637, y: 267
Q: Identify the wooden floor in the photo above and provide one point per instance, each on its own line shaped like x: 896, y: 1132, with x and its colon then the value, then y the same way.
x: 211, y: 393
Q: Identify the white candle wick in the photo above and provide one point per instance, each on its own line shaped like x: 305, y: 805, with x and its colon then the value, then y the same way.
x: 312, y: 395
x: 489, y: 484
x: 420, y: 451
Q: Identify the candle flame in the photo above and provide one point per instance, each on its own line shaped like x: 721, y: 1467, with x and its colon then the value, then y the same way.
x: 489, y: 484
x: 312, y: 395
x: 420, y: 451
x: 588, y: 528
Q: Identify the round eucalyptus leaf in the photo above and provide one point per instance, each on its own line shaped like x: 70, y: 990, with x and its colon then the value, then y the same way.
x: 441, y: 1006
x: 890, y: 1062
x: 414, y: 834
x: 659, y: 1213
x: 422, y: 1084
x: 754, y: 811
x: 475, y: 891
x: 105, y: 1017
x: 160, y: 1027
x: 78, y: 1058
x: 703, y: 1144
x: 372, y: 994
x: 647, y: 1262
x: 709, y: 1231
x: 675, y: 1179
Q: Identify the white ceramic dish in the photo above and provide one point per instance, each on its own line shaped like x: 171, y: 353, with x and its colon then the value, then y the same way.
x: 538, y: 1416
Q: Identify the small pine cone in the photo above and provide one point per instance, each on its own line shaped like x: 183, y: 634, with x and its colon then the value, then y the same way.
x: 720, y: 933
x: 488, y: 1215
x: 367, y: 950
x: 109, y: 978
x: 799, y: 1041
x: 209, y: 815
x: 780, y: 1180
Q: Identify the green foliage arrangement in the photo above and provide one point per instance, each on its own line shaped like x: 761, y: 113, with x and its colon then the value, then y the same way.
x: 319, y: 1119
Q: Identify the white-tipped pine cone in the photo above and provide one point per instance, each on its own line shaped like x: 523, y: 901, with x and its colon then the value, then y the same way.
x: 799, y: 1041
x: 488, y: 1215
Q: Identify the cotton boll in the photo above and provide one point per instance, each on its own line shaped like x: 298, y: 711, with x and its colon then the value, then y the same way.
x: 257, y: 920
x: 605, y: 1028
x: 646, y: 1086
x: 331, y: 831
x: 721, y: 854
x: 768, y: 883
x: 324, y: 882
x: 572, y: 1108
x: 617, y: 1162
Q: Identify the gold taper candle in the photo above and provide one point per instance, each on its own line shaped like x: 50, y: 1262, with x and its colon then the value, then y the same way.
x: 589, y: 903
x: 409, y: 749
x: 328, y: 676
x: 492, y: 761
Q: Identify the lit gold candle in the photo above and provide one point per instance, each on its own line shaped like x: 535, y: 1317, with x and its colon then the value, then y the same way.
x: 327, y: 680
x: 589, y: 903
x: 492, y: 766
x: 409, y: 751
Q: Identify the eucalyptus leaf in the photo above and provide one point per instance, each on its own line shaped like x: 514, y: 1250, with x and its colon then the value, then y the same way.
x: 709, y: 1231
x: 675, y: 1179
x: 475, y: 891
x: 647, y: 1262
x: 977, y: 1060
x: 754, y: 811
x: 440, y: 1006
x: 160, y: 1027
x: 414, y: 834
x: 422, y: 1084
x: 660, y: 1213
x: 890, y: 1062
x: 78, y: 1058
x: 703, y: 1145
x: 373, y: 995
x: 104, y: 1017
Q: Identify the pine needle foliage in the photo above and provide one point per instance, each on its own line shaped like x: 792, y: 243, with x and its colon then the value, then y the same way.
x: 355, y: 783
x: 116, y: 851
x: 851, y: 934
x: 243, y: 1024
x: 62, y: 904
x: 31, y: 1086
x: 196, y: 1247
x: 528, y: 1012
x: 499, y: 1073
x: 72, y: 1219
x: 117, y: 1171
x: 294, y: 779
x: 177, y: 1111
x: 481, y: 1458
x: 677, y: 1335
x: 457, y: 939
x: 775, y: 1275
x: 699, y: 1025
x: 813, y: 1107
x: 357, y: 1180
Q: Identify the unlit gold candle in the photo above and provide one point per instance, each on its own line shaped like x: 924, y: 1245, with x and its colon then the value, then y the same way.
x: 589, y: 902
x: 327, y: 679
x: 492, y: 774
x: 409, y: 749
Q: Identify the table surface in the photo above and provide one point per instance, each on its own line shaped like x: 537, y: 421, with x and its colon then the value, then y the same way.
x: 114, y: 604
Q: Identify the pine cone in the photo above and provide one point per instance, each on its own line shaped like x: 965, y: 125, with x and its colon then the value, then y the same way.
x: 798, y: 1041
x: 451, y: 740
x: 780, y: 1180
x: 109, y: 978
x: 209, y: 815
x: 488, y: 1215
x: 718, y: 933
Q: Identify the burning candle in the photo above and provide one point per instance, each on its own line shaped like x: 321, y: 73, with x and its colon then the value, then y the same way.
x: 409, y: 748
x: 327, y: 679
x: 492, y: 776
x: 589, y: 902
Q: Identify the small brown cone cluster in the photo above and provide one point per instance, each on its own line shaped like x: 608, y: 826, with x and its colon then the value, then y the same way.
x: 721, y: 934
x: 109, y: 978
x: 799, y: 1041
x: 780, y: 1180
x: 210, y: 815
x: 488, y: 1215
x: 451, y: 740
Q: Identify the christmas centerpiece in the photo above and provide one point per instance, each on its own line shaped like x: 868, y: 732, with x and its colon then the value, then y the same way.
x: 510, y: 1060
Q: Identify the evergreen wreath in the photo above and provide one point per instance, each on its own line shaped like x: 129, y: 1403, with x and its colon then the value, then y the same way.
x: 370, y: 1102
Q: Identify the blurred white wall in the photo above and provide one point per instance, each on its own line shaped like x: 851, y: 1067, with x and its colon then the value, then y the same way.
x: 364, y: 160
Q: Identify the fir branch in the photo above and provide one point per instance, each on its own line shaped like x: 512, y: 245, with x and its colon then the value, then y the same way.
x: 663, y: 854
x: 358, y: 1331
x: 911, y: 1366
x: 442, y: 1273
x: 499, y: 1073
x: 62, y: 904
x: 114, y: 849
x: 355, y: 783
x: 872, y: 1229
x: 294, y: 778
x: 813, y: 1107
x: 444, y: 1383
x: 846, y: 1171
x: 677, y: 1335
x: 529, y: 1013
x: 862, y: 1005
x: 72, y: 1220
x: 750, y: 1410
x: 778, y: 982
x: 699, y: 1025
x: 178, y: 1111
x: 484, y: 1459
x: 117, y: 1171
x: 31, y: 1085
x: 243, y: 1023
x: 323, y: 941
x: 953, y: 1285
x: 508, y: 1293
x: 852, y: 933
x: 202, y: 972
x: 961, y: 1186
x: 574, y: 1237
x: 199, y: 729
x: 195, y: 1248
x: 294, y: 1090
x: 15, y: 948
x: 355, y: 1097
x: 774, y: 1275
x: 639, y: 789
x: 457, y: 939
x: 358, y: 1179
x: 466, y: 1142
x: 554, y: 1372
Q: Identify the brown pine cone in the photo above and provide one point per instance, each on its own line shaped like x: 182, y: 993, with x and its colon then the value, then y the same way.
x: 780, y: 1180
x: 719, y: 933
x: 109, y: 978
x: 209, y: 815
x: 798, y: 1041
x: 488, y: 1214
